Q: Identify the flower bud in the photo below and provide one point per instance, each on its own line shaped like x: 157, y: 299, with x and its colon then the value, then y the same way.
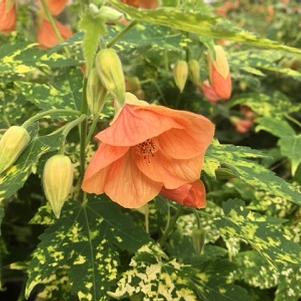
x: 57, y: 181
x: 181, y: 74
x: 12, y: 144
x: 198, y: 240
x: 96, y: 93
x: 109, y: 69
x: 110, y: 14
x: 220, y: 77
x: 194, y: 70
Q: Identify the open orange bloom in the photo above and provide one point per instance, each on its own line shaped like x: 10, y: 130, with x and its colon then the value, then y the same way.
x: 220, y: 77
x: 47, y: 37
x: 148, y: 148
x: 190, y: 195
x: 7, y: 16
x: 147, y: 4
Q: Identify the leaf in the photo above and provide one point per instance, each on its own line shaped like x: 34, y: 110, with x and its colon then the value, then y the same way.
x: 289, y: 142
x: 83, y: 243
x: 15, y: 177
x: 93, y: 27
x: 1, y: 218
x: 237, y: 159
x: 203, y: 24
x: 277, y: 127
x: 290, y: 147
x: 261, y: 232
x: 255, y: 270
x: 153, y: 276
x: 275, y: 105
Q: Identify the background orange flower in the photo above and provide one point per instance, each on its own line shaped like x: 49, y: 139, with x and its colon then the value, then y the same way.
x: 7, y: 16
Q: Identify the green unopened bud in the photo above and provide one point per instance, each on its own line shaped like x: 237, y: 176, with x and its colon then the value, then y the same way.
x: 181, y: 74
x: 194, y: 70
x: 109, y: 69
x: 57, y: 181
x: 96, y: 93
x: 198, y: 240
x: 12, y: 144
x: 110, y: 14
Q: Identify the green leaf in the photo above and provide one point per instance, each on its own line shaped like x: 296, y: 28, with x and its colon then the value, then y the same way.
x: 153, y: 276
x: 93, y: 27
x: 275, y: 105
x: 277, y: 127
x: 255, y: 270
x: 261, y: 232
x: 290, y: 147
x: 238, y: 159
x: 203, y: 24
x: 289, y: 142
x: 1, y: 218
x: 83, y: 243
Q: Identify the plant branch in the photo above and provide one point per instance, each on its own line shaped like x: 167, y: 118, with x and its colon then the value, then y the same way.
x: 122, y: 33
x: 43, y: 114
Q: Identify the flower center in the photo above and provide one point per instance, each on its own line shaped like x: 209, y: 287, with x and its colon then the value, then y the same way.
x: 147, y: 149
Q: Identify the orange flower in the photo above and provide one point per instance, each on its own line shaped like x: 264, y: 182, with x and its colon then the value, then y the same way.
x: 56, y: 6
x: 148, y: 4
x: 47, y: 37
x: 243, y: 126
x: 190, y: 195
x: 7, y: 16
x: 209, y: 92
x: 220, y: 77
x: 147, y: 148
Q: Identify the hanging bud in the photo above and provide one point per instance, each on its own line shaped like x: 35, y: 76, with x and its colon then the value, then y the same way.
x: 96, y: 93
x: 12, y: 144
x: 109, y: 14
x: 198, y: 240
x: 181, y: 74
x: 220, y: 77
x: 194, y: 70
x: 109, y: 69
x: 57, y: 181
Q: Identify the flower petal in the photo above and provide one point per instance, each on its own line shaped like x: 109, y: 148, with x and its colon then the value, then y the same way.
x: 136, y: 124
x: 95, y: 183
x: 171, y: 172
x: 126, y: 185
x: 104, y: 156
x: 190, y: 195
x: 180, y: 144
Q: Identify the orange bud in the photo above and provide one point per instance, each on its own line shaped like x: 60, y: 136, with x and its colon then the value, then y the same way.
x: 7, y: 16
x: 220, y: 77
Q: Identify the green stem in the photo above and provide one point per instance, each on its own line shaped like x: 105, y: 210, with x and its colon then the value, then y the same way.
x: 170, y: 227
x: 121, y: 33
x: 83, y: 141
x: 39, y: 116
x: 198, y: 221
x: 292, y: 119
x: 53, y: 24
x: 68, y: 128
x: 92, y: 130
